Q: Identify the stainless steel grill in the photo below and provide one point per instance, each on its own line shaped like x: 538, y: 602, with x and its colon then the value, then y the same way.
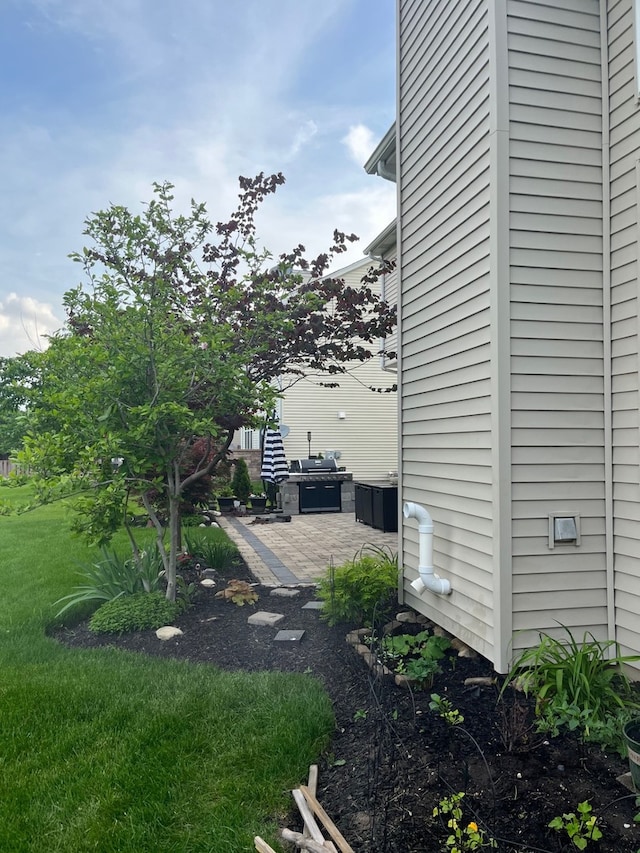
x: 317, y: 466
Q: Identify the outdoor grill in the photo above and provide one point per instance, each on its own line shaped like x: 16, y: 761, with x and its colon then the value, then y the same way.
x: 317, y: 466
x: 319, y: 484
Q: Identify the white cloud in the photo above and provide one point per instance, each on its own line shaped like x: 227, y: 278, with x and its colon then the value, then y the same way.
x: 196, y: 94
x: 24, y: 324
x: 360, y: 142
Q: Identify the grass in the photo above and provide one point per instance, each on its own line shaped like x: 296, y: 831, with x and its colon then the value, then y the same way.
x: 107, y: 751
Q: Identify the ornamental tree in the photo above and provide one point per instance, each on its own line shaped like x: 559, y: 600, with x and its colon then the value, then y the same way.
x: 175, y: 340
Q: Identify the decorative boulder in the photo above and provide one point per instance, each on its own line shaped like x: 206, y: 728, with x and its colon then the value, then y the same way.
x: 168, y: 632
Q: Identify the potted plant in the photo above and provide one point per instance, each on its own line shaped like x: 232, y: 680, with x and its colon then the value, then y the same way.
x: 258, y: 502
x: 226, y: 498
x: 241, y: 481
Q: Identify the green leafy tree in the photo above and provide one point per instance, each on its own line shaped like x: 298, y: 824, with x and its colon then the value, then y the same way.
x: 173, y: 343
x: 17, y: 374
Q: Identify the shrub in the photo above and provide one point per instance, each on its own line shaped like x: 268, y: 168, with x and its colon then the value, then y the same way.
x: 134, y: 613
x: 116, y: 575
x: 361, y: 589
x: 241, y: 482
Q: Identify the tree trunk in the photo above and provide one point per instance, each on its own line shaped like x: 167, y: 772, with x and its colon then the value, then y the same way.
x: 174, y: 535
x: 174, y: 492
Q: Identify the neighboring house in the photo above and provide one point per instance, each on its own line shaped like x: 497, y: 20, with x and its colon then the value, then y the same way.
x: 383, y: 163
x: 518, y: 168
x: 360, y: 424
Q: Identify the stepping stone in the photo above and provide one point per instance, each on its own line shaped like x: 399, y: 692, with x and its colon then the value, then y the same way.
x: 312, y: 605
x: 283, y: 592
x: 263, y: 617
x: 289, y: 636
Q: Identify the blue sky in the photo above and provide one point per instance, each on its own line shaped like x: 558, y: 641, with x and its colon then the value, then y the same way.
x: 99, y: 98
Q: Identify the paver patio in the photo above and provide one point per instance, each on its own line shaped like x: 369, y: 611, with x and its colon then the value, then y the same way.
x: 302, y: 549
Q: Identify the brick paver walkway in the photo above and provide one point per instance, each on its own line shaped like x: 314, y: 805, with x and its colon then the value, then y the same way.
x: 301, y: 550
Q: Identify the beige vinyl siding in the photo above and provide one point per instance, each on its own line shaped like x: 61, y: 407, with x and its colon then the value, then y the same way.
x: 367, y: 437
x: 557, y: 346
x: 624, y: 153
x: 443, y: 164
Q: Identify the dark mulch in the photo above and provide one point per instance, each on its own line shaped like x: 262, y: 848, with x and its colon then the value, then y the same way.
x: 392, y: 759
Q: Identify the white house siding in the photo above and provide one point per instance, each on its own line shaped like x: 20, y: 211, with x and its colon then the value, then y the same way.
x: 367, y: 437
x: 557, y: 335
x: 624, y: 156
x: 390, y: 293
x: 443, y: 164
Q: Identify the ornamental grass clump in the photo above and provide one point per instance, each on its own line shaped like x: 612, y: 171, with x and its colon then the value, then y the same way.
x: 361, y: 589
x: 115, y: 575
x: 213, y: 548
x: 578, y: 687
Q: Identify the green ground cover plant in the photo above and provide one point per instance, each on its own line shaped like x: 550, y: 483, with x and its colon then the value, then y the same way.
x: 138, y: 612
x: 417, y: 656
x: 116, y: 752
x: 581, y: 828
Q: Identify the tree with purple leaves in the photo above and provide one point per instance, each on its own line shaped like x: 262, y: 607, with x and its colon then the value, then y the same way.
x: 175, y: 341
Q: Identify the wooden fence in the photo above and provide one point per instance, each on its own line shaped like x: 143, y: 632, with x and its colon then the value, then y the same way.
x: 7, y: 466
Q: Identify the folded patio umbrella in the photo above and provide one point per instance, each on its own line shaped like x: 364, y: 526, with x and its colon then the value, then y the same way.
x: 274, y: 462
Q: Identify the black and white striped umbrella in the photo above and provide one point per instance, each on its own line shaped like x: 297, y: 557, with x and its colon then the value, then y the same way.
x: 274, y: 462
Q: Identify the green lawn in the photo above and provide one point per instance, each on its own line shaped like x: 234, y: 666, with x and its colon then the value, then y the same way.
x: 106, y: 751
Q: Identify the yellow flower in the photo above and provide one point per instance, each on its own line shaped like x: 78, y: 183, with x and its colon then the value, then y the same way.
x: 473, y: 826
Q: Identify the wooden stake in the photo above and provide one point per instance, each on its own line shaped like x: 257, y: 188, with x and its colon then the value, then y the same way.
x: 329, y: 825
x: 262, y: 846
x: 303, y: 843
x: 309, y: 821
x: 312, y: 785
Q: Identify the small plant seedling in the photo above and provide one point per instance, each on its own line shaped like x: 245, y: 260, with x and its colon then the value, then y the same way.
x: 445, y: 710
x: 581, y: 828
x: 360, y: 714
x: 461, y: 838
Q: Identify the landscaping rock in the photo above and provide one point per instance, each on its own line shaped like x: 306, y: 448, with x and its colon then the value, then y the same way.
x: 407, y: 616
x: 168, y: 632
x: 207, y: 582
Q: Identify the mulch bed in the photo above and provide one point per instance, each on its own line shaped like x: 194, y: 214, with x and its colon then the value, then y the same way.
x: 392, y: 759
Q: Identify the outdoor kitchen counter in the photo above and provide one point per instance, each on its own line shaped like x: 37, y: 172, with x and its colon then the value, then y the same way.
x: 377, y: 504
x: 317, y: 491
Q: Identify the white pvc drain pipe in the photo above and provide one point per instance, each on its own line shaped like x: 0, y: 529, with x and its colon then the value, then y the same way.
x: 428, y: 580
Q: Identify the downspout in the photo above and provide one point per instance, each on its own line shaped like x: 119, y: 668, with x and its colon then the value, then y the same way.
x: 606, y: 323
x: 428, y: 579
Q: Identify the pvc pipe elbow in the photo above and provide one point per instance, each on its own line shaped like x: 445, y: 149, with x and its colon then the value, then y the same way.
x: 413, y: 510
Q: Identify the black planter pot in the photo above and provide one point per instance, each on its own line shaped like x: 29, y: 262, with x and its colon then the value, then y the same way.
x: 258, y: 505
x: 226, y: 504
